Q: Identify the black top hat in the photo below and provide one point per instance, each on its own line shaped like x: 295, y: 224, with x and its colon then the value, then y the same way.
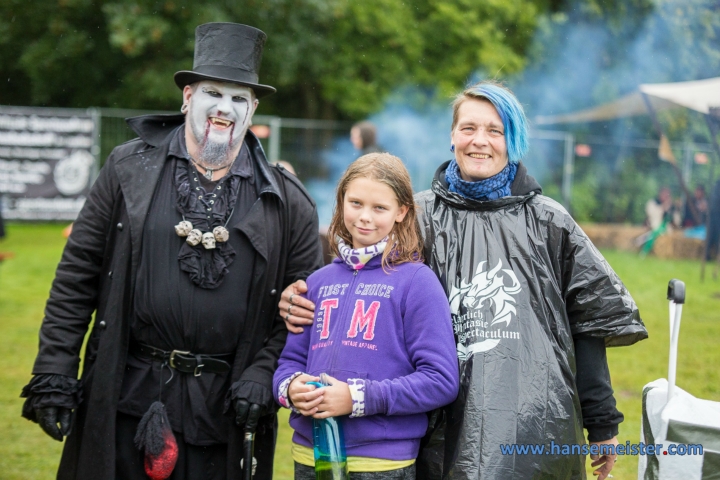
x: 227, y: 52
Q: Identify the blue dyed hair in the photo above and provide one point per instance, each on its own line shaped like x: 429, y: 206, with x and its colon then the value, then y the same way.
x: 509, y: 109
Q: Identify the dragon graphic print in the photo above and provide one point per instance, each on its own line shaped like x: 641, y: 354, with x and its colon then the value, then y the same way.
x: 483, y: 309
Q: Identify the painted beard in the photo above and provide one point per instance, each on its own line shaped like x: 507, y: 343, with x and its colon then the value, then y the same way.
x: 214, y: 154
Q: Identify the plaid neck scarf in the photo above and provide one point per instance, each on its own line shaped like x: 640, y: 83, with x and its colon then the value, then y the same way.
x: 492, y: 188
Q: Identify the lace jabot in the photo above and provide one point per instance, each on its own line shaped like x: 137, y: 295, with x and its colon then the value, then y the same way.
x: 205, y: 210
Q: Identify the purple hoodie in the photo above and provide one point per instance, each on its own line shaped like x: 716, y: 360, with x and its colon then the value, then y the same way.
x: 389, y: 336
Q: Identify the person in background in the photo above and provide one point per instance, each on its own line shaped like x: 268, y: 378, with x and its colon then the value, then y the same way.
x: 534, y: 306
x: 179, y: 253
x: 3, y: 255
x: 363, y: 136
x: 712, y: 242
x: 661, y: 210
x: 700, y: 201
x: 2, y: 222
x: 286, y: 165
x: 382, y: 334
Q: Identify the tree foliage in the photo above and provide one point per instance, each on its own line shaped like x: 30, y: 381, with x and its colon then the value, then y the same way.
x: 328, y: 58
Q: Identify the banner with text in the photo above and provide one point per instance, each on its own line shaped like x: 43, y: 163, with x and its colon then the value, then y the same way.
x: 48, y: 160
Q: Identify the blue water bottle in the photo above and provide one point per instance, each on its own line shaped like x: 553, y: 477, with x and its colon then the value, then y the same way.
x: 329, y: 445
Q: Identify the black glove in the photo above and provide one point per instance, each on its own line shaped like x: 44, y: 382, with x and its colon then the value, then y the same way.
x: 49, y: 417
x: 248, y: 414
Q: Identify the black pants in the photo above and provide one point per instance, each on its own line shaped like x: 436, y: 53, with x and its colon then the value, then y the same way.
x: 303, y: 472
x: 194, y: 462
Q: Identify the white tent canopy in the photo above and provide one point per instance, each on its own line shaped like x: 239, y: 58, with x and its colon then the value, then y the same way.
x: 700, y: 95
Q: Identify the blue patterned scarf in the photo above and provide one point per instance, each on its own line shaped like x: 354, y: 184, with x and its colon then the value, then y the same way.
x: 492, y: 188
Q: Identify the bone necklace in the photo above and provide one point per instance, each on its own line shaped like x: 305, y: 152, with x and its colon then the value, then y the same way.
x: 194, y: 236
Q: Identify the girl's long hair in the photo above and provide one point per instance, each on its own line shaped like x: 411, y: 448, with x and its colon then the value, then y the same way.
x: 405, y: 237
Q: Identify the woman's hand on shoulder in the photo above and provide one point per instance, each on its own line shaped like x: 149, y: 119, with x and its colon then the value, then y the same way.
x: 336, y: 399
x: 305, y: 398
x: 295, y: 309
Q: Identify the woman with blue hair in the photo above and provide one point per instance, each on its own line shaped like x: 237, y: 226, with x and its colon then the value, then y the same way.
x: 489, y: 114
x: 533, y: 303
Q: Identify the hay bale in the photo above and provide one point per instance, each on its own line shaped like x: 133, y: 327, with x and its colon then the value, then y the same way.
x: 671, y: 245
x: 614, y: 236
x: 675, y: 245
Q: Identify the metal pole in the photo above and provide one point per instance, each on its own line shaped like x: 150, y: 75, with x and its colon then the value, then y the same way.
x: 713, y: 138
x: 568, y: 170
x: 96, y: 115
x: 687, y: 176
x: 687, y: 161
x: 274, y: 140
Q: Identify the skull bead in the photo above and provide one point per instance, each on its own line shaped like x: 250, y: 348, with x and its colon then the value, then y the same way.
x: 221, y: 234
x: 194, y: 237
x: 183, y: 228
x: 208, y: 240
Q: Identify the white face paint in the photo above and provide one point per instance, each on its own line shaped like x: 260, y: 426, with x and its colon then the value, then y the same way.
x: 219, y: 115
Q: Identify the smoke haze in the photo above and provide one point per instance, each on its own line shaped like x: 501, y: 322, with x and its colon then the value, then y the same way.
x: 574, y: 63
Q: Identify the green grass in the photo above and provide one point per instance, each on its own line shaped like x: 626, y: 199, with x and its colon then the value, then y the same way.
x: 698, y: 356
x: 26, y: 452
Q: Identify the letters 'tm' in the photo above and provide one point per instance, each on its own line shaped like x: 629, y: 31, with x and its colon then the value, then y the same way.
x: 362, y: 320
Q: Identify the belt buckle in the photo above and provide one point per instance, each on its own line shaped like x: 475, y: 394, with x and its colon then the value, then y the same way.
x: 172, y: 356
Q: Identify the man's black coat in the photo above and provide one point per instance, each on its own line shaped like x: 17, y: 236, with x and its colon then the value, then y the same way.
x: 98, y: 270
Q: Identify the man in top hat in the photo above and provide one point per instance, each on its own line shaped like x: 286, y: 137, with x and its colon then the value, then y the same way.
x: 180, y: 252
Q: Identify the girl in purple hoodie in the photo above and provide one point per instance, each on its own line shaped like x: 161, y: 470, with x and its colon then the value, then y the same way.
x: 382, y: 331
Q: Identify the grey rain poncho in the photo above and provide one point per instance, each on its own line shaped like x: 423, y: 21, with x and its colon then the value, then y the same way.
x: 522, y: 279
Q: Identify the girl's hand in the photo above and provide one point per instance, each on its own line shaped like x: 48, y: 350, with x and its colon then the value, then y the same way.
x: 305, y: 398
x: 336, y: 399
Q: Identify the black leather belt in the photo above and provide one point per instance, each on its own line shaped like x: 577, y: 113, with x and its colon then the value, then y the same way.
x: 183, y: 361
